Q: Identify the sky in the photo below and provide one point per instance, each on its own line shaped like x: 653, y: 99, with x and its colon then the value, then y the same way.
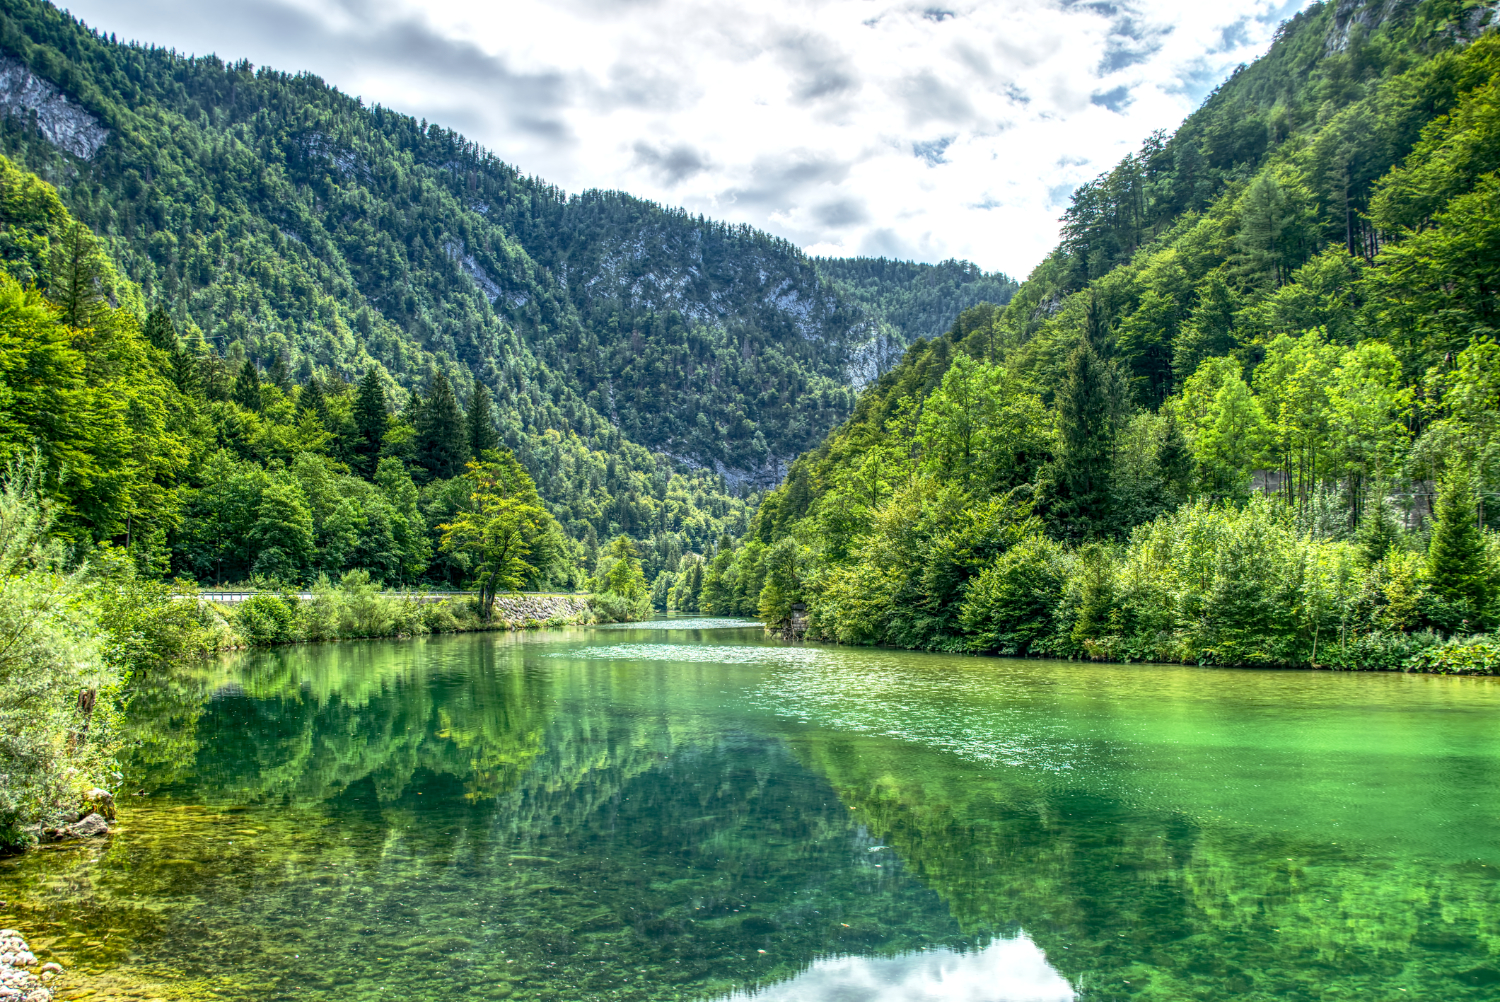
x: 921, y: 130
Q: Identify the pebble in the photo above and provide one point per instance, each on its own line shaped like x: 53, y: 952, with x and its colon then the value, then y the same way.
x: 17, y: 983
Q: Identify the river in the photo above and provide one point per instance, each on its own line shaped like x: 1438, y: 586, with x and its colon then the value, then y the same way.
x: 688, y: 811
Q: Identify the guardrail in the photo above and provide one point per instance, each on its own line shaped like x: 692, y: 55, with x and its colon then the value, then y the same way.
x: 235, y: 596
x: 244, y: 595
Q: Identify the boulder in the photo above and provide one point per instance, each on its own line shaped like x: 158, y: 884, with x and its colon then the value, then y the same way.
x: 100, y: 802
x: 88, y: 827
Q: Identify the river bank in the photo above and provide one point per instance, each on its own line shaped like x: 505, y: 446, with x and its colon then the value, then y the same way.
x: 22, y: 977
x: 356, y: 610
x: 1425, y: 653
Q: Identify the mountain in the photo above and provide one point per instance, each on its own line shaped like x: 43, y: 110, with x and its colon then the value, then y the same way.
x: 1208, y: 426
x: 914, y: 300
x: 285, y: 219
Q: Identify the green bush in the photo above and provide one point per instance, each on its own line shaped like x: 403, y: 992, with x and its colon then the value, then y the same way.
x: 264, y: 619
x: 438, y: 617
x: 1476, y: 656
x: 1009, y: 608
x: 59, y: 690
x: 1379, y: 650
x: 611, y: 607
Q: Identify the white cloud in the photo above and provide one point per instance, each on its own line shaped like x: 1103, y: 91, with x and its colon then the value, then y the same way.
x: 920, y: 129
x: 1008, y: 970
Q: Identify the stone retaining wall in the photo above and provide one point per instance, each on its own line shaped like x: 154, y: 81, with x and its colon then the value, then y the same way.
x: 520, y: 610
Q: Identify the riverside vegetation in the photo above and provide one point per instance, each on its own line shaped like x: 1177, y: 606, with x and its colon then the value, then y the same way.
x: 253, y: 331
x: 1244, y: 414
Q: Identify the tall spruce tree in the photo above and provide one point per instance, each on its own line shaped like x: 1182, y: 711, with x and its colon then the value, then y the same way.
x: 1087, y: 406
x: 481, y: 430
x: 160, y: 331
x: 442, y: 439
x: 1377, y: 531
x: 371, y: 416
x: 280, y: 375
x: 312, y: 399
x: 193, y: 366
x: 247, y: 386
x: 1174, y: 459
x: 1455, y: 553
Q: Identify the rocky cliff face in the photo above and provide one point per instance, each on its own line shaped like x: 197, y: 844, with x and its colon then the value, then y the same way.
x: 62, y: 121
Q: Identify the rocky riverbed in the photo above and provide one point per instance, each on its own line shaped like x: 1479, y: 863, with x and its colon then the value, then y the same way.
x: 22, y: 979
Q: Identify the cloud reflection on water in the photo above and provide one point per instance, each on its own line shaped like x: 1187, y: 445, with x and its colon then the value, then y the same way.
x: 1008, y: 970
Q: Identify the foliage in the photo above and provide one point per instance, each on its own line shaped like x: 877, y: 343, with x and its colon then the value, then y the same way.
x: 620, y: 594
x: 915, y: 300
x: 1456, y: 558
x: 1252, y: 353
x: 508, y: 535
x: 350, y: 608
x: 1478, y: 657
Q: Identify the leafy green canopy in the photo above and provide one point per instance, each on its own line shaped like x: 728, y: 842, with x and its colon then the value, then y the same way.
x: 1209, y: 425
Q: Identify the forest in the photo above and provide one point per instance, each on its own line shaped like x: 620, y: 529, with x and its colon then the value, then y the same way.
x: 1243, y: 414
x: 254, y: 332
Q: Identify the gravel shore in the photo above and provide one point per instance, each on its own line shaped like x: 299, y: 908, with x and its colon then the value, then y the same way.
x: 21, y: 979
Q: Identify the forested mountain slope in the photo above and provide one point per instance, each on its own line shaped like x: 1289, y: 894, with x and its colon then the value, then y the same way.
x: 1208, y: 426
x: 283, y: 218
x: 915, y: 300
x: 292, y: 236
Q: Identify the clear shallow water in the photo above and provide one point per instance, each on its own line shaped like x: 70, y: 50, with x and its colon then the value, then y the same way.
x: 697, y: 813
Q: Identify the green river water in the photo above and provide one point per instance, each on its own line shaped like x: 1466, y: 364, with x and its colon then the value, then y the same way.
x: 700, y: 813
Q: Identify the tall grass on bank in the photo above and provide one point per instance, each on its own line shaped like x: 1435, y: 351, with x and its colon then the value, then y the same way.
x: 351, y: 608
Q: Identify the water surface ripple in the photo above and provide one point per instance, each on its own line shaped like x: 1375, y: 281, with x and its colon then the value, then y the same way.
x: 685, y: 810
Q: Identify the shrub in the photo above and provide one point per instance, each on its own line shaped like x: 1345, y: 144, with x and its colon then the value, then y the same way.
x: 612, y: 607
x: 438, y: 617
x: 1476, y: 656
x: 58, y: 691
x: 265, y: 619
x: 1010, y: 606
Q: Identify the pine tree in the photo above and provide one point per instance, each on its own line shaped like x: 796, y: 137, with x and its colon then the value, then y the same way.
x: 481, y: 430
x: 77, y: 272
x: 247, y: 386
x: 1455, y: 553
x: 194, y: 370
x: 1086, y: 407
x: 280, y: 376
x: 312, y: 399
x: 160, y: 331
x: 370, y: 419
x: 797, y: 498
x: 1209, y: 332
x: 442, y: 439
x: 1174, y: 458
x: 1377, y: 531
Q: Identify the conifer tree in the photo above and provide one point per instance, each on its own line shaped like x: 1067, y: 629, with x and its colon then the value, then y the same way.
x: 1174, y: 458
x: 1455, y: 553
x: 1086, y: 406
x: 481, y: 430
x: 312, y: 399
x: 194, y: 370
x: 160, y: 331
x: 280, y: 376
x: 247, y: 386
x: 442, y: 438
x: 77, y: 271
x: 1377, y: 530
x: 370, y: 419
